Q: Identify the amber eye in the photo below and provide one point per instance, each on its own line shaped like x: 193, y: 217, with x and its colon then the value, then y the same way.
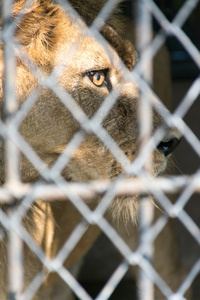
x: 97, y: 77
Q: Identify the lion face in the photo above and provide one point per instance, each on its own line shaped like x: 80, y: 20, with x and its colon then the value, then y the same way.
x: 86, y: 82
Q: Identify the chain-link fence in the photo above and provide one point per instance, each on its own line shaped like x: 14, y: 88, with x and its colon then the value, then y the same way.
x: 51, y: 189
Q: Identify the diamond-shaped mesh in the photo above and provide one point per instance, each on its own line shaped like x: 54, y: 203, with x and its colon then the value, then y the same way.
x: 19, y: 199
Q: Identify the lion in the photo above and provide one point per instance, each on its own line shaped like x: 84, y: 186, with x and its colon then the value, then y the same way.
x: 58, y: 45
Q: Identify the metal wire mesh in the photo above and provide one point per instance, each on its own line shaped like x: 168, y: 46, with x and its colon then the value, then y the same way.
x: 18, y: 197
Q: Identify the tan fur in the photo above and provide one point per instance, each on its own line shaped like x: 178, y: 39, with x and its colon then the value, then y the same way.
x: 47, y: 33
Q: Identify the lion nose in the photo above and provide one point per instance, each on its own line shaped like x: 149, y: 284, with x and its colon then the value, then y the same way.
x: 168, y: 147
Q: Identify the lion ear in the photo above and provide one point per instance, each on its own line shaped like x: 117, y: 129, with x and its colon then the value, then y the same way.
x: 123, y: 47
x: 37, y: 27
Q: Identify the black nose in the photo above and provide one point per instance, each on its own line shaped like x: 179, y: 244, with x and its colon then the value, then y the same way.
x: 168, y: 147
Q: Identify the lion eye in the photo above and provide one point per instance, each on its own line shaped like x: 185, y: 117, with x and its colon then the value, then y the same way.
x: 97, y: 78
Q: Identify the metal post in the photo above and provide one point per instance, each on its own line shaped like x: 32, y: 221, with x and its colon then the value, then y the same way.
x: 12, y: 178
x: 146, y: 210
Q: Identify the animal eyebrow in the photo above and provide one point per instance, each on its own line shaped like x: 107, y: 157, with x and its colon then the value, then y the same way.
x: 96, y: 69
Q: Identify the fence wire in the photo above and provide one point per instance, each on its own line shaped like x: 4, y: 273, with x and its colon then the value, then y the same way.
x: 17, y: 197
